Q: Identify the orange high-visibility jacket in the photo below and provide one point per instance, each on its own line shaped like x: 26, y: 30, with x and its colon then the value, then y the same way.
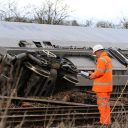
x: 103, y: 74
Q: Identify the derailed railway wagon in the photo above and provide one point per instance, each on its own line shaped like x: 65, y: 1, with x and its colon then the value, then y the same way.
x: 46, y: 72
x: 47, y: 59
x: 35, y: 72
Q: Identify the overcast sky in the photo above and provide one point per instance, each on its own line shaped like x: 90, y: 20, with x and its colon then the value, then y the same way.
x: 109, y: 10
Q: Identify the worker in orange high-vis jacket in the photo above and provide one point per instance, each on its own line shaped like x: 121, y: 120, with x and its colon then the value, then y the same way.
x: 102, y: 84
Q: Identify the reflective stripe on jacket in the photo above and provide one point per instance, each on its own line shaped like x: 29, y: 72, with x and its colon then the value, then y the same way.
x: 103, y: 74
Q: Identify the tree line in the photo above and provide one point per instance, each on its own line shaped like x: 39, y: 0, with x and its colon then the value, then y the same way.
x: 49, y: 12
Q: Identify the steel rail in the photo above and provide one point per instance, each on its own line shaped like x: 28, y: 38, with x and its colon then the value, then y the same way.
x: 57, y: 109
x: 55, y: 114
x: 43, y: 118
x: 52, y: 102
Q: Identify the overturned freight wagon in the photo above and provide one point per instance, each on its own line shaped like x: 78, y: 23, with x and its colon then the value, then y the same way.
x: 35, y: 72
x: 39, y: 72
x: 36, y: 63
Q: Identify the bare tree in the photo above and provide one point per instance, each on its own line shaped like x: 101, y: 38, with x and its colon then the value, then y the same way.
x: 51, y: 12
x: 88, y: 23
x: 104, y: 24
x: 10, y: 12
x: 75, y: 23
x: 124, y: 23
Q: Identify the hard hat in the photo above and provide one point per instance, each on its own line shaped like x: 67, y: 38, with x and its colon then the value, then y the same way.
x: 97, y: 48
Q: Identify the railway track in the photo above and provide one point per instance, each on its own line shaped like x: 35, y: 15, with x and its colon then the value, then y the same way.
x: 42, y: 101
x: 79, y: 115
x: 57, y: 109
x: 53, y: 113
x: 43, y: 118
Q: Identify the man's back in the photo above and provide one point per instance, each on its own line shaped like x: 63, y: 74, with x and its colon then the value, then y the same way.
x: 103, y: 74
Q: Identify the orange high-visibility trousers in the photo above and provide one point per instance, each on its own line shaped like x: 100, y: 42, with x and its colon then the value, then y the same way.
x: 103, y: 102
